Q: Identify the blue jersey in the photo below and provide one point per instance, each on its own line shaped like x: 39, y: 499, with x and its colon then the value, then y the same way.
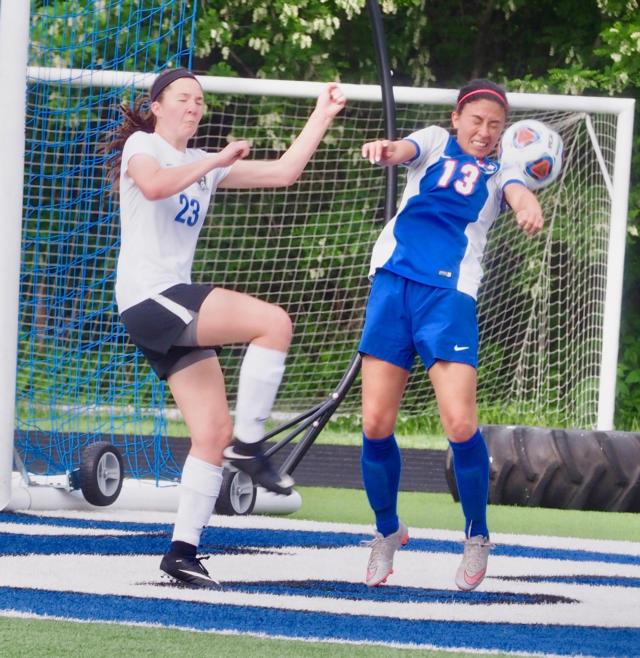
x: 451, y: 199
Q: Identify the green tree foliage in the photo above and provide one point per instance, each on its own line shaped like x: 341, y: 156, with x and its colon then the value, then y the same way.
x: 434, y: 41
x: 108, y: 34
x: 306, y: 39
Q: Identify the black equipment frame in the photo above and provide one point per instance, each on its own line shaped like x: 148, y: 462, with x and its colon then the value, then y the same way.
x: 311, y: 422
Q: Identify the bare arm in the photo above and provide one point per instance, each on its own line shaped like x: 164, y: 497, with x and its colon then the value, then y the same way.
x: 387, y: 153
x: 524, y: 204
x: 287, y: 169
x: 158, y: 182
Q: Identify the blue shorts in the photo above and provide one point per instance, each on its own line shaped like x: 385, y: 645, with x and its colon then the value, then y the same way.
x: 404, y: 318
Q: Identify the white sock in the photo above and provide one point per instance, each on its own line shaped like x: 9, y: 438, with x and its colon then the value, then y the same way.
x: 199, y: 488
x: 260, y: 376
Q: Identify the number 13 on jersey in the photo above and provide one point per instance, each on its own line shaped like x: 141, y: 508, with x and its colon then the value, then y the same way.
x: 467, y: 184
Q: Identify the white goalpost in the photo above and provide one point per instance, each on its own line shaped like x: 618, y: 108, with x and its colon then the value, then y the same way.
x: 14, y: 37
x: 549, y: 308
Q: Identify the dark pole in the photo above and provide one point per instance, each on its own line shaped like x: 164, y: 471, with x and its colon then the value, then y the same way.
x: 325, y: 411
x: 388, y: 103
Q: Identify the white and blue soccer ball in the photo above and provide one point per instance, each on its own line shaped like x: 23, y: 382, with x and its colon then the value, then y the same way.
x: 536, y: 149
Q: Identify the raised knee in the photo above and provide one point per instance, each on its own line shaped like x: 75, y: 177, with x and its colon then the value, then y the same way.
x: 280, y: 326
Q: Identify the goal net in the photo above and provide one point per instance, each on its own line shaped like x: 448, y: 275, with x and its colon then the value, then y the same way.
x: 546, y: 305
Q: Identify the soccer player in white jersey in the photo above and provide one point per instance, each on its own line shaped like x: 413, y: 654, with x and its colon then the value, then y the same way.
x: 165, y: 189
x: 426, y: 269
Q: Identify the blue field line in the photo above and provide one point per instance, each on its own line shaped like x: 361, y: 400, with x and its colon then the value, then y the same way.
x: 338, y: 589
x: 527, y: 638
x: 218, y: 540
x: 56, y: 521
x: 590, y: 580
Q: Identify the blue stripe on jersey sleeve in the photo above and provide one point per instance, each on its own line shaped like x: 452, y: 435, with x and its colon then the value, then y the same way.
x: 513, y: 180
x: 416, y: 156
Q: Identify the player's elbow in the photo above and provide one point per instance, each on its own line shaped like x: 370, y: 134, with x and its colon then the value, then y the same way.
x: 275, y: 173
x: 282, y: 181
x: 275, y: 180
x: 287, y: 171
x: 290, y: 180
x: 152, y: 192
x: 287, y: 176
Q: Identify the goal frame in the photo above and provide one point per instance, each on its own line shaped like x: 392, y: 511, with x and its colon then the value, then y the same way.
x: 15, y: 75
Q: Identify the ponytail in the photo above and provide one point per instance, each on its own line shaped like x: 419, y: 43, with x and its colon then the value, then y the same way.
x: 133, y: 119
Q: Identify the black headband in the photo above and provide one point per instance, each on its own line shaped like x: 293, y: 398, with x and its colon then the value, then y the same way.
x: 165, y: 79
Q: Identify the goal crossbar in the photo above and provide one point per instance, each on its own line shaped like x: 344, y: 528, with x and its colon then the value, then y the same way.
x: 305, y: 89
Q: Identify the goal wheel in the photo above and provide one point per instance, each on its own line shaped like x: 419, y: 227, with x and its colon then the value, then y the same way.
x: 101, y: 473
x: 237, y: 494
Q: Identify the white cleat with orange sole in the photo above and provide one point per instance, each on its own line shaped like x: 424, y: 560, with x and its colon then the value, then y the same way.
x: 473, y: 567
x: 380, y: 565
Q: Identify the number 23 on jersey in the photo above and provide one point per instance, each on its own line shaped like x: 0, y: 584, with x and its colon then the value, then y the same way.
x: 189, y: 211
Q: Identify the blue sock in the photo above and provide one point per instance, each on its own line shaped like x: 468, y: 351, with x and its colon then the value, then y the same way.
x: 471, y: 467
x: 381, y: 465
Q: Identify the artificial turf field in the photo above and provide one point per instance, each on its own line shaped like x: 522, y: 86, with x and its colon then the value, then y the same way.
x: 38, y: 637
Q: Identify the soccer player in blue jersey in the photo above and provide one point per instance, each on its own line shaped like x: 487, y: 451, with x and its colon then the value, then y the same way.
x: 426, y: 269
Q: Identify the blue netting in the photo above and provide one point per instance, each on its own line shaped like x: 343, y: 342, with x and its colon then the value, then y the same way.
x: 78, y: 377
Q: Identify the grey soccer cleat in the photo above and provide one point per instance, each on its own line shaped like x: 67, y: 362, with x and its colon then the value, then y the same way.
x: 473, y: 566
x: 380, y: 565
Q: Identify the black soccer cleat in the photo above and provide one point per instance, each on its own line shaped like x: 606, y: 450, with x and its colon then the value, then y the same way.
x: 249, y: 458
x: 188, y: 570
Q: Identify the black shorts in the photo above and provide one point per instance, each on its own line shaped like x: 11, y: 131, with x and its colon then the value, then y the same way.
x: 154, y: 328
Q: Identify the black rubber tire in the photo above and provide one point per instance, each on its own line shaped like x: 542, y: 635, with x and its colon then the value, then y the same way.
x: 237, y: 495
x: 563, y: 469
x: 101, y: 473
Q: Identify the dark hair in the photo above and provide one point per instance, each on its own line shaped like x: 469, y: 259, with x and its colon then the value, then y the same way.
x: 481, y: 89
x: 138, y: 117
x: 132, y: 119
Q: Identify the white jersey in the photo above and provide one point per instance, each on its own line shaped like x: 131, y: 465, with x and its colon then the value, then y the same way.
x: 158, y: 238
x: 451, y: 199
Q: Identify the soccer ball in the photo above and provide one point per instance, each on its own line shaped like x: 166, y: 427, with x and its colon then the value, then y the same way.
x: 536, y: 149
